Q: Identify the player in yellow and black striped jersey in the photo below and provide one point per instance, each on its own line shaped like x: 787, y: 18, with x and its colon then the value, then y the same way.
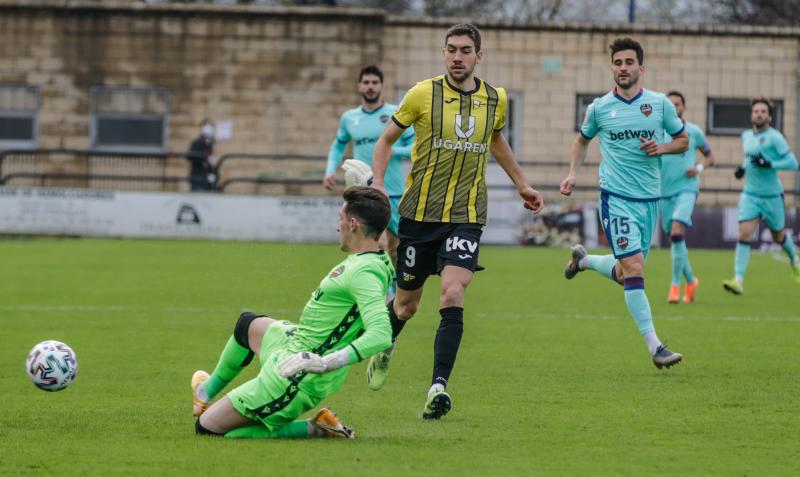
x: 447, y: 181
x: 458, y: 120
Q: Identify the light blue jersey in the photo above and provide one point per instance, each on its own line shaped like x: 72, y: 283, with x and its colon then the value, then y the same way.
x: 364, y: 128
x: 770, y: 145
x: 673, y: 166
x: 626, y: 170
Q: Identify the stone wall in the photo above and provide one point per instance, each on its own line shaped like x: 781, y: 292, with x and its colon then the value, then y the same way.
x: 282, y: 76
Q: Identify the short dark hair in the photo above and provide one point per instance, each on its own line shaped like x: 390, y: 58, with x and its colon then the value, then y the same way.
x: 755, y: 101
x: 627, y: 43
x: 678, y: 94
x: 370, y: 70
x: 465, y: 29
x: 370, y: 206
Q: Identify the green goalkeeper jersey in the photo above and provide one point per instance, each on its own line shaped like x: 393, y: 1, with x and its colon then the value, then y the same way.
x: 347, y: 310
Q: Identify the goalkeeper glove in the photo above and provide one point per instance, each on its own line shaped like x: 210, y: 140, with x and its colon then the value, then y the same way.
x: 739, y: 172
x: 759, y: 161
x: 311, y: 363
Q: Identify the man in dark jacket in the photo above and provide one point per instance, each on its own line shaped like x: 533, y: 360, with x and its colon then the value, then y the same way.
x: 202, y: 175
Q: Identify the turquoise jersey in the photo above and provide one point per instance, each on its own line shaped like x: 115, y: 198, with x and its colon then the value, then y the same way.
x: 364, y: 128
x: 626, y: 170
x: 771, y: 145
x: 673, y: 166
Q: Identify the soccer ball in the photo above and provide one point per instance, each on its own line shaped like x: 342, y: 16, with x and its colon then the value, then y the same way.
x: 52, y: 365
x: 356, y: 173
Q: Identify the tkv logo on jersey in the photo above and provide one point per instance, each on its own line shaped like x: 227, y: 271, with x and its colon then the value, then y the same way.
x: 459, y: 124
x: 457, y: 243
x: 646, y: 109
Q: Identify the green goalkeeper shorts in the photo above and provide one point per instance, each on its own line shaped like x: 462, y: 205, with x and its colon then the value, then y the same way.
x: 270, y: 398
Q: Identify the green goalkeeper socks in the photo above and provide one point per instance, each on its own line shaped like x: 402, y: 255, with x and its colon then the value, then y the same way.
x: 293, y: 430
x: 232, y: 361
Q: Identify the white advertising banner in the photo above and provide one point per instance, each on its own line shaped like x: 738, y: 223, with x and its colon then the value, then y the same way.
x: 143, y: 214
x: 86, y: 212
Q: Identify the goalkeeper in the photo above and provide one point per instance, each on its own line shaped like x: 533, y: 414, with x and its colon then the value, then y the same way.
x: 344, y: 321
x: 363, y: 126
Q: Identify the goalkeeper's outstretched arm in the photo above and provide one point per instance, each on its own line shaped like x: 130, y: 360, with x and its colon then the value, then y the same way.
x: 383, y: 152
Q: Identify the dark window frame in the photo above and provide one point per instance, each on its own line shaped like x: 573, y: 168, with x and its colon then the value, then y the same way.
x: 744, y: 103
x: 97, y: 117
x: 582, y: 103
x: 513, y: 128
x: 32, y: 114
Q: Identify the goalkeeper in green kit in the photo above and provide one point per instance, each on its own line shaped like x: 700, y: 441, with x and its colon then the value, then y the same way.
x: 344, y: 321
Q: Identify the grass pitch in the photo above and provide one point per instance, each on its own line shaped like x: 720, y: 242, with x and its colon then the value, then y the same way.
x: 552, y: 377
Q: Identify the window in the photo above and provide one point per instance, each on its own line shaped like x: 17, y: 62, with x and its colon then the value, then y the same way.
x: 582, y: 101
x: 513, y: 129
x: 731, y: 116
x: 129, y: 119
x: 19, y: 117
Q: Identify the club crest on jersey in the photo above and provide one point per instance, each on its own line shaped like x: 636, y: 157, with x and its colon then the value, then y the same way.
x: 337, y: 271
x: 384, y: 118
x: 646, y: 109
x: 761, y: 141
x: 459, y: 125
x: 622, y: 243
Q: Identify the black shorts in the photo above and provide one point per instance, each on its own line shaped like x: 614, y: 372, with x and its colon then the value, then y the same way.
x: 426, y: 247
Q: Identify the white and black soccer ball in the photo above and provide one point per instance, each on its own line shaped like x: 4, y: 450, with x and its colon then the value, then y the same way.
x: 52, y: 365
x: 357, y: 173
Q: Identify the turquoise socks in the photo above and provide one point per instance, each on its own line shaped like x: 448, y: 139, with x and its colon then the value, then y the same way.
x: 788, y: 247
x: 680, y: 260
x: 638, y: 305
x: 742, y: 258
x: 603, y: 264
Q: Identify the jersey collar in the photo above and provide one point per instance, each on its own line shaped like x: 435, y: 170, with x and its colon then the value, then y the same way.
x: 374, y: 110
x: 457, y: 90
x: 632, y: 100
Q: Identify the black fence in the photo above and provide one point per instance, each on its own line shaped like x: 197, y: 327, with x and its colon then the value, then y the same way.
x: 94, y: 169
x: 241, y: 173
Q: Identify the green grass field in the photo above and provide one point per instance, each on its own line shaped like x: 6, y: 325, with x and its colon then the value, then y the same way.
x: 552, y: 377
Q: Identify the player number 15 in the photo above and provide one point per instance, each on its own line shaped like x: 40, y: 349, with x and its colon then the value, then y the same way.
x: 621, y: 225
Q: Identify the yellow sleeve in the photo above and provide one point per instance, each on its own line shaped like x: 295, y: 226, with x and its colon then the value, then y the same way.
x: 502, y: 106
x: 411, y: 106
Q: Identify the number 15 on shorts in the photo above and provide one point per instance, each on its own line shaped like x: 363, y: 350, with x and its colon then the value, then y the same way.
x: 620, y: 226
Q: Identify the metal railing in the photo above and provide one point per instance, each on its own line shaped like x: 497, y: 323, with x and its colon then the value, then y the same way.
x: 247, y: 173
x: 94, y: 169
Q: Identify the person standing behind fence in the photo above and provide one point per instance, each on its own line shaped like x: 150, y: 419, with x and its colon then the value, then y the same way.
x: 202, y: 175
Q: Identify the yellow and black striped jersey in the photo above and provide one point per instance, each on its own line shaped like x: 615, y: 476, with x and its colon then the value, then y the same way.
x: 453, y: 131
